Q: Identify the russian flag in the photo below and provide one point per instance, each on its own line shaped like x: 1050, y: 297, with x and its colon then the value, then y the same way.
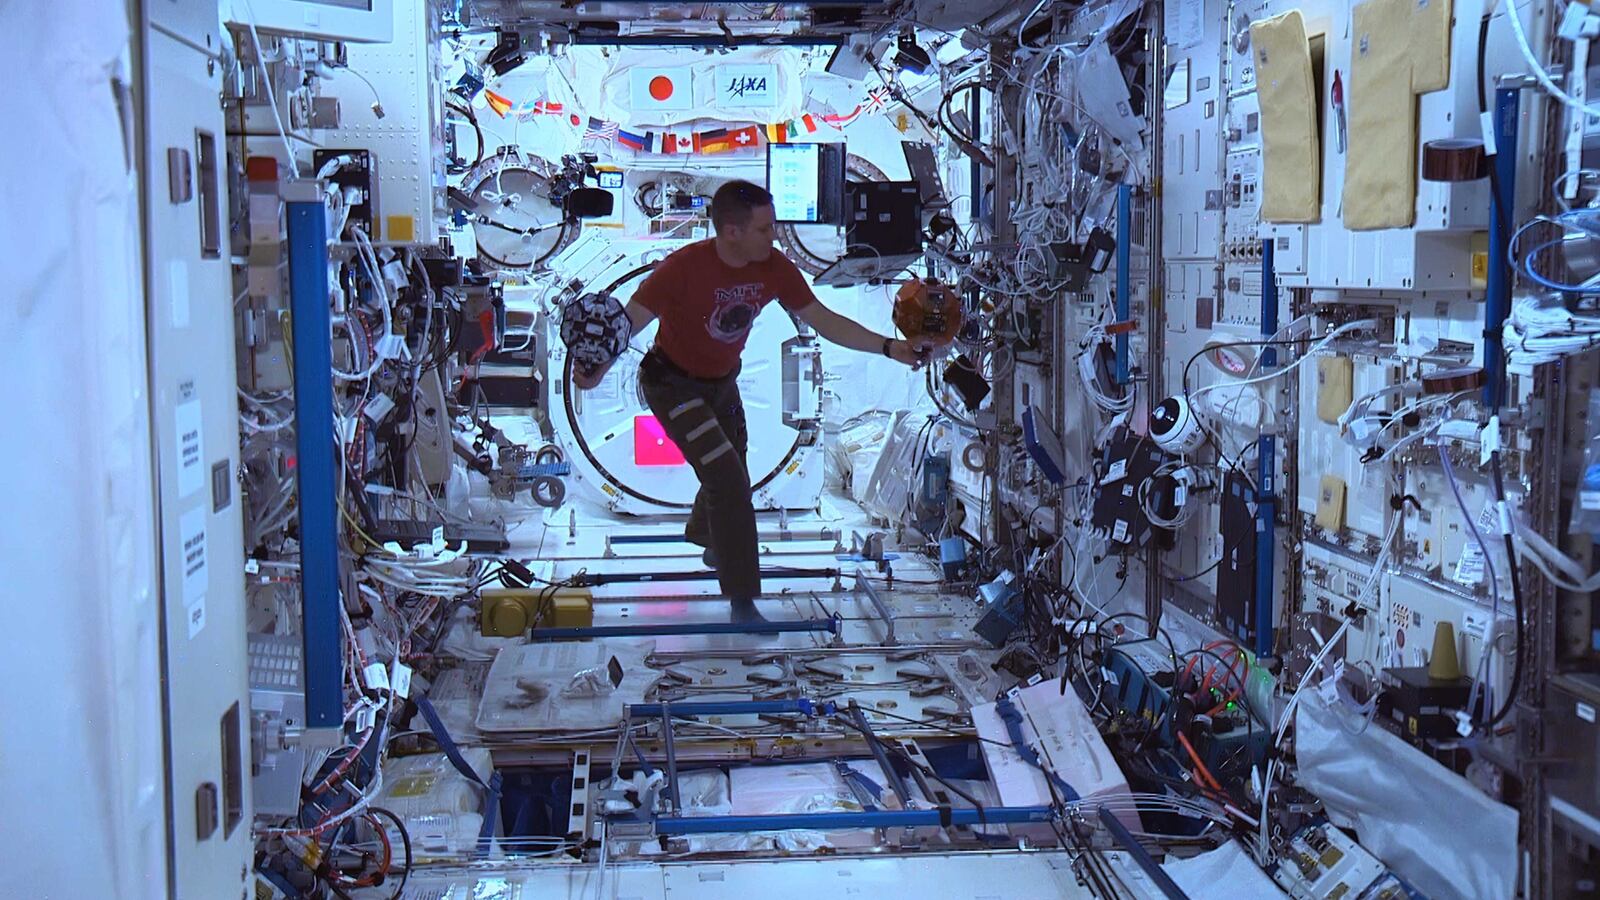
x: 645, y: 143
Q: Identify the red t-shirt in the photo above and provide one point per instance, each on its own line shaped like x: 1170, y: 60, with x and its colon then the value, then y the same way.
x: 707, y: 307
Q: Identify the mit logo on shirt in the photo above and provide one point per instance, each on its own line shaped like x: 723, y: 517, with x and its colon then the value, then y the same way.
x: 735, y: 311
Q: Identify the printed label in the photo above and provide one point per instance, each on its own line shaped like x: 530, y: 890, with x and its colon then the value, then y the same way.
x: 1470, y: 568
x: 192, y: 547
x: 196, y: 614
x: 1476, y: 624
x: 191, y: 447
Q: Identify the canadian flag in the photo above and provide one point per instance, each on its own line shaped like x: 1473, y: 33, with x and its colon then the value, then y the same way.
x: 661, y: 88
x: 676, y: 143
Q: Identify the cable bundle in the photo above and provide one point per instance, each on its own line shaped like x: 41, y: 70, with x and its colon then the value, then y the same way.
x: 1540, y: 332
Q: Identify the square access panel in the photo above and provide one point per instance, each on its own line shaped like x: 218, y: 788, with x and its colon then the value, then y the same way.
x: 651, y: 446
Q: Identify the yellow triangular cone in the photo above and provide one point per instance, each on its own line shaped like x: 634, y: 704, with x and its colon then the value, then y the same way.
x: 1443, y: 665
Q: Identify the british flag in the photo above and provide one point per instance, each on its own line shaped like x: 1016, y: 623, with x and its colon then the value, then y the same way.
x: 877, y: 99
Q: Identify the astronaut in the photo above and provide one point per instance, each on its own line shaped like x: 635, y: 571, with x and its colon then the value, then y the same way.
x: 707, y: 296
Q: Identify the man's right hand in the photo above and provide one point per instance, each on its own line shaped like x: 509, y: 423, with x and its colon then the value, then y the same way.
x: 586, y: 378
x: 907, y: 353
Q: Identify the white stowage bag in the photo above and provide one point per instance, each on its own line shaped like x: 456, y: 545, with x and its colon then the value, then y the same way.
x: 1225, y: 873
x: 1067, y: 741
x: 1428, y: 824
x: 806, y: 788
x: 442, y: 809
x: 854, y: 449
x: 705, y: 793
x: 888, y: 487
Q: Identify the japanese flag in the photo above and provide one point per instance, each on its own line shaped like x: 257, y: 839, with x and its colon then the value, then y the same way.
x: 654, y: 88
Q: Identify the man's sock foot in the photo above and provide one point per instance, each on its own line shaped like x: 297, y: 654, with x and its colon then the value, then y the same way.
x: 744, y: 612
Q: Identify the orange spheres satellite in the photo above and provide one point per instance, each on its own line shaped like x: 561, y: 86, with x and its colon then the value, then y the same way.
x: 927, y: 312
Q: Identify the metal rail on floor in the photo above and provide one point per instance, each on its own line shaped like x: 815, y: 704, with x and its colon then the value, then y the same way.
x: 600, y: 579
x: 831, y: 625
x: 838, y: 821
x: 865, y: 586
x: 781, y: 535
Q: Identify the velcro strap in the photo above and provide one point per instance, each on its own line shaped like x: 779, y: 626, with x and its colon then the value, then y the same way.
x: 685, y: 406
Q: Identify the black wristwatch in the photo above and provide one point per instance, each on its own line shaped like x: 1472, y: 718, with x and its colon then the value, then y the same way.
x: 886, y: 343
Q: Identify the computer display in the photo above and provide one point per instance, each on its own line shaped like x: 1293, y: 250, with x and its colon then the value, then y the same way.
x: 345, y: 20
x: 794, y: 177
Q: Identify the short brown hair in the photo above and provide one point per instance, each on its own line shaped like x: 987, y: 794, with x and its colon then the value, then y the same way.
x: 733, y: 202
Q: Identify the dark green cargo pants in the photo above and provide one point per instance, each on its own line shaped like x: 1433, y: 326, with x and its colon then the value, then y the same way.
x: 705, y: 418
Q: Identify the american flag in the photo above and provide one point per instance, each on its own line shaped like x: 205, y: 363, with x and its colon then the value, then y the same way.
x: 600, y: 130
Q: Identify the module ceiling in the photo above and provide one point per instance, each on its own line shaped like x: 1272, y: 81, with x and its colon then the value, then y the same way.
x: 831, y: 16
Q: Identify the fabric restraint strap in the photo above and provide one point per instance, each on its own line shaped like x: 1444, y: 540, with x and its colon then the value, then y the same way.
x: 491, y: 800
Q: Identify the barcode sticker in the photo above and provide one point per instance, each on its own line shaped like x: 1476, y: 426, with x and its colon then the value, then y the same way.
x: 1472, y: 566
x: 1475, y: 624
x: 1470, y: 569
x: 1487, y: 519
x: 1589, y: 499
x: 401, y: 679
x: 377, y: 677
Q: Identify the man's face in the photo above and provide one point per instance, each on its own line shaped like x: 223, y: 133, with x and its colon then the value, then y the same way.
x: 754, y: 238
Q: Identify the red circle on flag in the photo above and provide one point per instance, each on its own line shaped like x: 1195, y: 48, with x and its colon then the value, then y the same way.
x: 661, y: 87
x: 576, y: 120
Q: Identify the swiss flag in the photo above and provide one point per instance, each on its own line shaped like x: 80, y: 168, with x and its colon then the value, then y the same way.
x: 661, y: 88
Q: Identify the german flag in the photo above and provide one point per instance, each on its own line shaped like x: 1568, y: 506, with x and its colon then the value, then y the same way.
x: 717, y: 140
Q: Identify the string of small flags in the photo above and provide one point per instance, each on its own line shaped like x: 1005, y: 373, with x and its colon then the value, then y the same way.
x: 682, y: 141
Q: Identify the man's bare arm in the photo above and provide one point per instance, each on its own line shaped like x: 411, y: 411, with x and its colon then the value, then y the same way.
x: 849, y: 333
